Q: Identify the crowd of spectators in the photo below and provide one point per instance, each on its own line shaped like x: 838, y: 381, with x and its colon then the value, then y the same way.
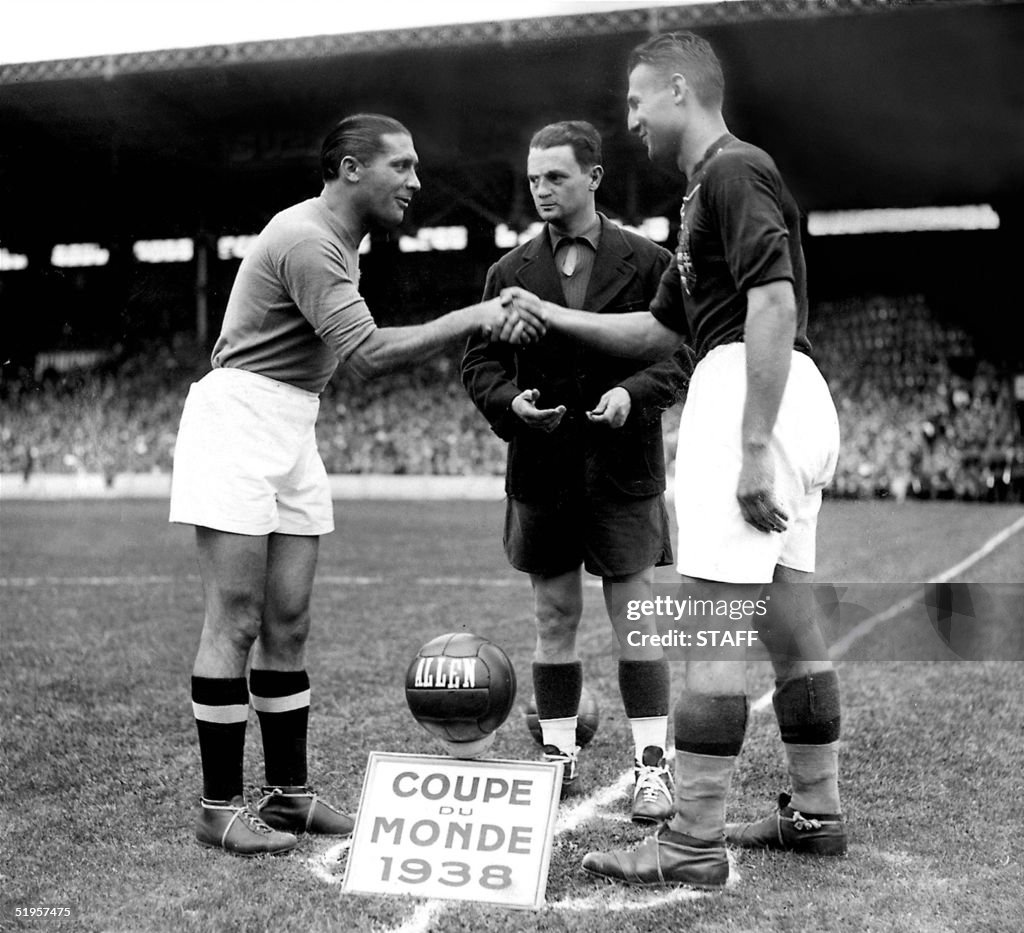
x: 416, y: 422
x: 920, y: 414
x: 120, y: 417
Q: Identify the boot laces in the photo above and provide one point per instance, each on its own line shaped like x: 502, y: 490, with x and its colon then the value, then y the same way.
x: 253, y: 821
x: 650, y: 785
x: 805, y: 822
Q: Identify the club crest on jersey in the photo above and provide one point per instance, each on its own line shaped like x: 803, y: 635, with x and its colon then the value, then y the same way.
x: 445, y: 672
x: 684, y: 258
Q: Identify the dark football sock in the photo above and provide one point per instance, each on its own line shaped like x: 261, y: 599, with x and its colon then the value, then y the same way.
x: 807, y: 709
x: 281, y: 700
x: 221, y: 709
x: 644, y: 686
x: 557, y: 688
x: 711, y: 724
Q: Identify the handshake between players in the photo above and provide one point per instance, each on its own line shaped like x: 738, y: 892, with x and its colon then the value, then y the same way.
x: 516, y: 317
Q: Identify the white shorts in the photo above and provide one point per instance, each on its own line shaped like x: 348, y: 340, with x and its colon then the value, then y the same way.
x: 246, y: 459
x: 715, y: 543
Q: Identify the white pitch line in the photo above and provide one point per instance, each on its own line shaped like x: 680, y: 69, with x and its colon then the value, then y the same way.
x: 161, y: 580
x: 617, y: 902
x: 318, y: 864
x: 502, y: 582
x: 868, y: 625
x: 421, y: 917
x: 583, y: 812
x: 463, y: 581
x: 88, y: 581
x: 326, y: 580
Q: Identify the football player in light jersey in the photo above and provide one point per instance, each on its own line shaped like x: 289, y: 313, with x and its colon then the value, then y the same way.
x: 248, y: 476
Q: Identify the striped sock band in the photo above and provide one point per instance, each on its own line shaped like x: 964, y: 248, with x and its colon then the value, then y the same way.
x: 221, y: 708
x: 281, y: 700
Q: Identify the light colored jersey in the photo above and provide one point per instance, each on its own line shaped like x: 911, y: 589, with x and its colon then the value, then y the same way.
x: 295, y: 310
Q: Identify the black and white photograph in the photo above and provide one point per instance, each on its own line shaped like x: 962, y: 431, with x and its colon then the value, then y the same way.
x: 545, y: 465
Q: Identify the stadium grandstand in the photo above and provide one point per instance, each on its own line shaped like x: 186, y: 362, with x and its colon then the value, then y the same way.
x: 132, y: 184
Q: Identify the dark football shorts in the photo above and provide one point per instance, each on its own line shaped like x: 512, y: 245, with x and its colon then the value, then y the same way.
x: 611, y: 538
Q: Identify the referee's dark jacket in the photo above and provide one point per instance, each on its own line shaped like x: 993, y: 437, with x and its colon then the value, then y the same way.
x: 578, y: 457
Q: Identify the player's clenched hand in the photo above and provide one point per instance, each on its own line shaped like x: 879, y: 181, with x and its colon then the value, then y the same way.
x: 755, y: 491
x: 612, y: 408
x: 492, y: 317
x: 525, y: 408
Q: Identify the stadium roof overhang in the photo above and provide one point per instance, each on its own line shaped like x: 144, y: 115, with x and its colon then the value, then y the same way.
x: 863, y: 104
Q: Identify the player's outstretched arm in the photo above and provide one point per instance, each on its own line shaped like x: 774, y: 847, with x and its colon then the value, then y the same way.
x: 634, y: 335
x: 768, y: 335
x: 387, y: 349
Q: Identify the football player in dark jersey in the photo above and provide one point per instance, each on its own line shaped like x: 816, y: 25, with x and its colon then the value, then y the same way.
x: 758, y: 441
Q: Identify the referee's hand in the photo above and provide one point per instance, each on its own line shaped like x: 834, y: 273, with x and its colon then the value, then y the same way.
x: 756, y: 491
x: 612, y: 409
x: 525, y: 408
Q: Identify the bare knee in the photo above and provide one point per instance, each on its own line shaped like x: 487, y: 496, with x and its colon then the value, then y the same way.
x: 231, y: 625
x: 558, y: 622
x: 284, y: 634
x: 635, y: 631
x: 792, y: 630
x: 233, y: 570
x: 237, y: 611
x: 716, y: 676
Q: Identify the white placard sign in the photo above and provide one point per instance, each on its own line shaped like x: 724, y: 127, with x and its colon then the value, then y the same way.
x: 467, y: 830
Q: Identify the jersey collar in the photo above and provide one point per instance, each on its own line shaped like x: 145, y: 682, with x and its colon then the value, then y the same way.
x: 716, y: 147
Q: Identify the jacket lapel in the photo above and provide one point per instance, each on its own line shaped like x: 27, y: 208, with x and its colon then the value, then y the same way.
x: 613, y: 267
x: 537, y: 272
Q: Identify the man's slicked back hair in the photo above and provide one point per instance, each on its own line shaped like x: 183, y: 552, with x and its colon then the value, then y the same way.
x: 687, y: 54
x: 358, y: 136
x: 580, y: 135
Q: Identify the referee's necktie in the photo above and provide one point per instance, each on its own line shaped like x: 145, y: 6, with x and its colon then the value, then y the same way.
x: 570, y: 256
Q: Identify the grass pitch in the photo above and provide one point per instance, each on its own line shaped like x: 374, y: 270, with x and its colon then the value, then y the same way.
x: 101, y: 613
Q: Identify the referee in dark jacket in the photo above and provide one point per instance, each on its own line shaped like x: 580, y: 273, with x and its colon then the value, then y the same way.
x: 586, y: 471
